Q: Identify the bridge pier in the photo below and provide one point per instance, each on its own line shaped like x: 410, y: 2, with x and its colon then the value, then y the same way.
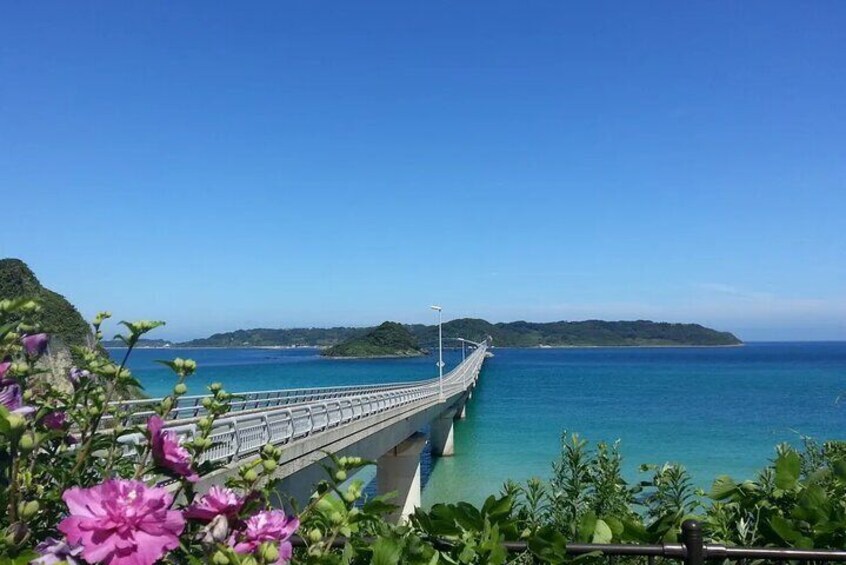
x: 441, y: 434
x: 462, y: 412
x: 398, y: 471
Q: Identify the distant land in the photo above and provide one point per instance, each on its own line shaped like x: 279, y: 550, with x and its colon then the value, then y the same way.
x: 389, y: 339
x: 588, y: 333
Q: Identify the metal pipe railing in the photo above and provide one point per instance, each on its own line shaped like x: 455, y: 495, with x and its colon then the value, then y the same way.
x: 244, y: 432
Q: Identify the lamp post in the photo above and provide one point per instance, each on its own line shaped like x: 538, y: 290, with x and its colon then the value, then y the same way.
x: 439, y: 310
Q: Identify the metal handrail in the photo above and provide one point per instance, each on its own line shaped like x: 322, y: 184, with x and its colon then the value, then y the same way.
x: 243, y: 432
x: 691, y: 551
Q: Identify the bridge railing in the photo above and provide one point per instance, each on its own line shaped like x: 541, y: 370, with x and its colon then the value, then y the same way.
x: 190, y: 407
x: 247, y: 430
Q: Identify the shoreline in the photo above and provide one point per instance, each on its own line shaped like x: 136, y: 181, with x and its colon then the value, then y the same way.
x: 322, y: 347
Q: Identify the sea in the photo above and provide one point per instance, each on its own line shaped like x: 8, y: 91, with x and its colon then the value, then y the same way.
x: 714, y: 410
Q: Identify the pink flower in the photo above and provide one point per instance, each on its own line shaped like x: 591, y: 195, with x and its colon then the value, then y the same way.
x: 167, y: 452
x: 272, y: 526
x: 35, y: 344
x: 54, y: 420
x: 122, y: 522
x: 218, y: 501
x: 4, y: 368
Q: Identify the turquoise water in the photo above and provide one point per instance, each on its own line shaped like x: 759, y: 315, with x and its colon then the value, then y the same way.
x: 716, y: 410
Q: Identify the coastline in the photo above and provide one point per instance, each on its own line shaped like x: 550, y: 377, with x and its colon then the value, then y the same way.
x: 494, y: 346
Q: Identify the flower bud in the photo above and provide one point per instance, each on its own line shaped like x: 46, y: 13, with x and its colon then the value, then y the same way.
x: 219, y: 558
x: 349, y: 497
x: 180, y: 389
x: 268, y: 552
x: 269, y: 465
x: 16, y: 534
x: 215, y: 387
x: 27, y: 443
x: 167, y: 404
x: 340, y: 476
x: 250, y: 476
x: 207, y: 403
x: 27, y: 510
x: 315, y: 535
x: 336, y: 518
x: 16, y: 422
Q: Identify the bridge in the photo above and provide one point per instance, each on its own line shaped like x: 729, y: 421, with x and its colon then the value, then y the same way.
x: 377, y: 422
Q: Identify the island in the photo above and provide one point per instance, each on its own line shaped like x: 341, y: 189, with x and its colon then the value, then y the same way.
x: 586, y: 333
x: 388, y: 340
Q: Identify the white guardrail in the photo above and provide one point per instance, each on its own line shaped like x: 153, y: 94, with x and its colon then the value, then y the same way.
x: 282, y: 416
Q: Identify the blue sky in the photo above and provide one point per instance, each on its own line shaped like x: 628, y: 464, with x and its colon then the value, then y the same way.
x: 313, y: 163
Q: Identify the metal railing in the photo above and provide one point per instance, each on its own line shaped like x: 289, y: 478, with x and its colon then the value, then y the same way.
x: 691, y: 551
x: 280, y: 417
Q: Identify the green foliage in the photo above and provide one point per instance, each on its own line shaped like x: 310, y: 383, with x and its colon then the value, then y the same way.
x: 390, y: 339
x: 511, y: 334
x: 57, y: 317
x: 799, y: 501
x: 587, y: 491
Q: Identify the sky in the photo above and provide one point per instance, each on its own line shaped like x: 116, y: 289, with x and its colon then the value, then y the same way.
x: 228, y: 165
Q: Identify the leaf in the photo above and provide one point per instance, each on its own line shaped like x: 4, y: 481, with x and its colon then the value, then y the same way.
x: 723, y: 487
x: 587, y: 526
x: 616, y: 526
x: 787, y: 469
x: 602, y: 532
x: 784, y: 529
x: 549, y: 545
x: 839, y: 469
x: 497, y: 508
x: 386, y: 551
x: 813, y: 505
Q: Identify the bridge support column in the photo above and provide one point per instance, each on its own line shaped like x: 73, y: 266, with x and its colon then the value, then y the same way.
x: 462, y: 412
x: 442, y: 434
x: 398, y: 471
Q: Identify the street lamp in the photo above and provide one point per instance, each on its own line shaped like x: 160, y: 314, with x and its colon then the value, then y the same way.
x: 440, y: 351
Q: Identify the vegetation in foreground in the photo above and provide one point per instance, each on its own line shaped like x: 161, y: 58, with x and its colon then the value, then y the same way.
x: 389, y: 339
x: 73, y: 492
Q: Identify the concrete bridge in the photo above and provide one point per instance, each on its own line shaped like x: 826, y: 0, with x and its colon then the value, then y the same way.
x: 378, y: 422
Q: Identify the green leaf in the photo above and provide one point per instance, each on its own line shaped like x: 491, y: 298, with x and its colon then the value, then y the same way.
x: 784, y: 529
x: 723, y: 487
x: 549, y: 545
x: 813, y: 505
x: 386, y: 551
x: 602, y: 532
x: 616, y: 526
x: 839, y: 469
x: 4, y: 420
x: 497, y: 508
x: 787, y: 469
x: 587, y: 526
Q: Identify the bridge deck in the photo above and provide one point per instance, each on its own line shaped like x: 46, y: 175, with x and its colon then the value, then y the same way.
x: 309, y: 420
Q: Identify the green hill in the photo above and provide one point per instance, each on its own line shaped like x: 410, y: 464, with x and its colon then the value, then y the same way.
x: 584, y: 333
x: 505, y: 334
x: 390, y: 339
x: 59, y: 317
